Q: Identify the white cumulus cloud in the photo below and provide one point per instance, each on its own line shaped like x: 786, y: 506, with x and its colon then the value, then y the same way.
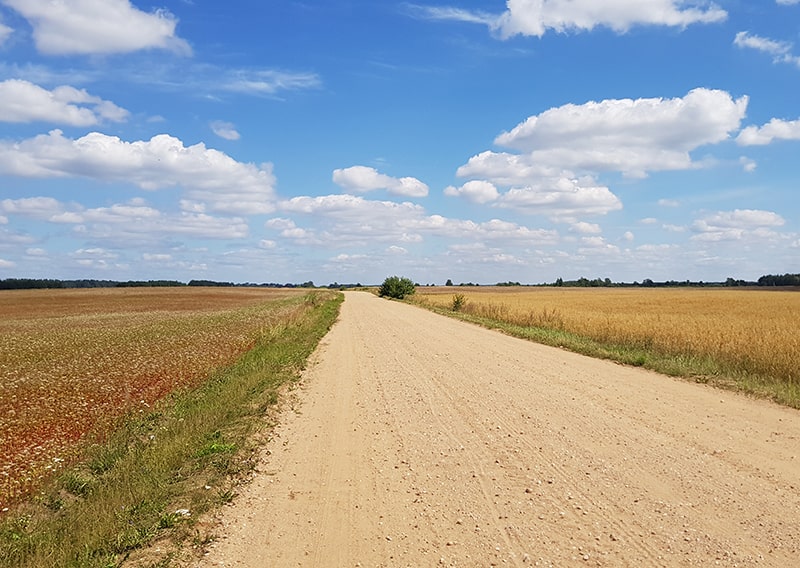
x: 362, y: 179
x: 207, y: 175
x: 23, y: 101
x: 350, y: 208
x: 585, y: 228
x: 537, y: 17
x: 346, y: 220
x: 477, y: 191
x: 627, y: 135
x: 506, y: 169
x: 737, y: 225
x: 744, y: 218
x: 534, y: 188
x: 126, y: 221
x: 563, y: 199
x: 86, y: 27
x: 562, y: 151
x: 45, y: 208
x: 775, y: 129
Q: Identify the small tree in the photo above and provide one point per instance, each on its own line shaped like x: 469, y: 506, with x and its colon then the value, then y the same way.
x: 396, y: 287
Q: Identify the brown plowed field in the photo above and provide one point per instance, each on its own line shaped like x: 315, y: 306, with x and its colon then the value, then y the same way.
x: 418, y: 440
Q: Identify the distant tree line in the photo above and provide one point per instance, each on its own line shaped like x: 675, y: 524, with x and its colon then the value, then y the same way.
x: 782, y: 280
x: 767, y: 280
x: 34, y: 283
x: 336, y: 286
x: 37, y: 283
x: 149, y: 284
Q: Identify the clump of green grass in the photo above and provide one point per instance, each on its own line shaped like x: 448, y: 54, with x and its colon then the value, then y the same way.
x: 159, y: 471
x: 459, y: 302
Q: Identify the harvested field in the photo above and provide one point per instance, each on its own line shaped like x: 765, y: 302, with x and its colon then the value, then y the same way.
x: 73, y: 362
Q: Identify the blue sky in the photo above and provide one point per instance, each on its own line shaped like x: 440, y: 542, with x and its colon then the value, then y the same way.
x: 346, y: 141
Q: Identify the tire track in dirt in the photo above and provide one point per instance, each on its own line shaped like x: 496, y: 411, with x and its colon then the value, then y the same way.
x: 447, y: 420
x: 491, y: 456
x: 424, y: 441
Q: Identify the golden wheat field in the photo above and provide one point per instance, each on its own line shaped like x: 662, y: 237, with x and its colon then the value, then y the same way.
x: 72, y: 362
x: 745, y: 330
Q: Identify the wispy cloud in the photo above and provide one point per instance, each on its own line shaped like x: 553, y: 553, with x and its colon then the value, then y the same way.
x: 451, y: 13
x: 266, y: 81
x: 190, y: 77
x: 5, y: 32
x: 781, y: 51
x: 225, y: 130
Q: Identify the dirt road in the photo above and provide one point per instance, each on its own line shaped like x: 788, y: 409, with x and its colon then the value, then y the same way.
x: 423, y: 441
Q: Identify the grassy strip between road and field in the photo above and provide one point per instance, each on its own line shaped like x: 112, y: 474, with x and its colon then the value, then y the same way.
x: 161, y: 470
x: 699, y: 368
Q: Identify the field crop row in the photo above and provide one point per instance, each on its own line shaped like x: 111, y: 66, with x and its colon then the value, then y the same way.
x: 73, y: 362
x: 750, y: 333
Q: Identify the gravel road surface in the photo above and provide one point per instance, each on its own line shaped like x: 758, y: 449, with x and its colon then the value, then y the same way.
x: 418, y: 440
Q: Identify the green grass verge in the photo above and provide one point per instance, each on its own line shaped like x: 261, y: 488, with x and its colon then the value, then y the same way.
x: 160, y: 471
x: 692, y: 367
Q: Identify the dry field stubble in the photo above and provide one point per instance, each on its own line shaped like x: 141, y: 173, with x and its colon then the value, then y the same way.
x: 748, y: 332
x: 73, y: 362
